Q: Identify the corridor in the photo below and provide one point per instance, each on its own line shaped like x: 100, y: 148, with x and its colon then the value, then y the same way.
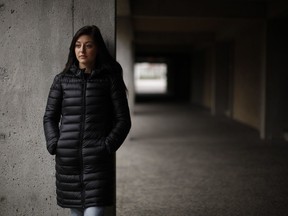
x: 181, y: 161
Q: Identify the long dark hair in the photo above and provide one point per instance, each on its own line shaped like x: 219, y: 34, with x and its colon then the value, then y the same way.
x: 103, y: 61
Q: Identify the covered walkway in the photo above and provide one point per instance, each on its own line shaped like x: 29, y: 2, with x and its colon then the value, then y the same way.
x: 181, y: 161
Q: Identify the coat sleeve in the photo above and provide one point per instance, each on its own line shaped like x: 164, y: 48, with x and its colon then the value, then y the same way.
x: 52, y: 116
x: 121, y: 118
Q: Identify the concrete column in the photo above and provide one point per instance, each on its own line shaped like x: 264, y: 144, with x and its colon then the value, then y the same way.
x: 213, y: 79
x: 125, y: 55
x: 263, y: 81
x: 34, y: 42
x: 277, y: 79
x: 197, y: 76
x: 223, y: 78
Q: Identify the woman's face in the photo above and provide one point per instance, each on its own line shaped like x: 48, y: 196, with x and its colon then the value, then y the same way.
x: 85, y: 51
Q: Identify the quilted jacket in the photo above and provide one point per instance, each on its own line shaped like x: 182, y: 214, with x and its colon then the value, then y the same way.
x: 86, y: 120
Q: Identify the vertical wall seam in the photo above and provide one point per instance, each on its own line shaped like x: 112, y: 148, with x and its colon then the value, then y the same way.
x: 72, y: 10
x: 115, y: 28
x: 263, y: 99
x: 213, y: 82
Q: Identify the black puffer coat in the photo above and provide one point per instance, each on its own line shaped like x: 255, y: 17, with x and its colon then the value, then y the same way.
x: 85, y: 122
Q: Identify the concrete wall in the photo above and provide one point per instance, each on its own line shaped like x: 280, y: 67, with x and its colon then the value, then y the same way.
x: 247, y: 76
x: 34, y: 41
x: 100, y: 13
x: 226, y: 76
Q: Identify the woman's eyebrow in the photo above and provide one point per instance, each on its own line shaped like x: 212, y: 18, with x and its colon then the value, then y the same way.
x: 85, y: 42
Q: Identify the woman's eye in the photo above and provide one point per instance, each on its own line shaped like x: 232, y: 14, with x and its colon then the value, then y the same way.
x: 77, y: 45
x: 89, y: 45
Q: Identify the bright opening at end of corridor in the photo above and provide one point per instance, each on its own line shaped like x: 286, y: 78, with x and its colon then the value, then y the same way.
x: 150, y: 78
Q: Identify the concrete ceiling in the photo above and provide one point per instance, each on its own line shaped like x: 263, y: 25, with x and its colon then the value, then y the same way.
x: 188, y: 22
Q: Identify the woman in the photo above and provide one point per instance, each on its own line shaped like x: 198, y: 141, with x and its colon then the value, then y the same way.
x: 86, y: 120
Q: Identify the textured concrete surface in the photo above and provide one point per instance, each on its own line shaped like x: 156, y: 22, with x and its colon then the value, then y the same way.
x: 100, y: 13
x: 34, y: 41
x: 181, y: 161
x: 124, y: 54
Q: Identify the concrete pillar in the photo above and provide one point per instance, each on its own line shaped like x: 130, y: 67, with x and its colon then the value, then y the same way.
x: 34, y: 41
x: 197, y: 76
x: 223, y: 78
x: 125, y: 55
x: 276, y: 80
x: 213, y: 79
x: 263, y: 81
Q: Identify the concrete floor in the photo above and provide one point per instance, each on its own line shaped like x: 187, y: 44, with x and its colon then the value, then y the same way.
x: 181, y: 161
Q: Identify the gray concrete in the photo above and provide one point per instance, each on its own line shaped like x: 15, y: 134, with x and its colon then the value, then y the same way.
x: 97, y: 12
x: 30, y: 39
x: 34, y: 41
x: 124, y: 55
x: 124, y: 46
x: 181, y: 161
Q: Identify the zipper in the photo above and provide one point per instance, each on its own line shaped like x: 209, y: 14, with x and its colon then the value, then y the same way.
x: 84, y: 83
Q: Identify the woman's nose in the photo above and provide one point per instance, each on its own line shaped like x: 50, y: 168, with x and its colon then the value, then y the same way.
x: 82, y: 49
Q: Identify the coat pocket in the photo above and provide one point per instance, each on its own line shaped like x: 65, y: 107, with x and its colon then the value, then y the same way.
x: 104, y: 149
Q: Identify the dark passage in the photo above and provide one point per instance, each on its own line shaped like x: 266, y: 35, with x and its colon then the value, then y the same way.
x: 180, y: 161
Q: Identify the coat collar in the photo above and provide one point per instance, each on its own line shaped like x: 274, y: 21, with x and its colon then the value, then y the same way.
x: 80, y: 72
